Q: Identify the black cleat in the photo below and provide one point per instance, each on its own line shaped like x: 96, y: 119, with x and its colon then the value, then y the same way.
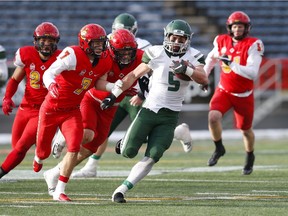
x: 219, y: 152
x: 118, y: 147
x: 118, y: 198
x: 248, y: 168
x: 2, y: 172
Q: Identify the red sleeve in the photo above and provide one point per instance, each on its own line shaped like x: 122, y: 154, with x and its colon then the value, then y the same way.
x: 11, y: 88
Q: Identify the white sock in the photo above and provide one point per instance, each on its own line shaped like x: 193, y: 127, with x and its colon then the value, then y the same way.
x: 37, y: 159
x: 56, y: 169
x: 60, y: 188
x: 140, y: 170
x: 122, y: 189
x: 91, y: 164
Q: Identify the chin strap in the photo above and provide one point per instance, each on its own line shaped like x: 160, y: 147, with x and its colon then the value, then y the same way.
x: 95, y: 61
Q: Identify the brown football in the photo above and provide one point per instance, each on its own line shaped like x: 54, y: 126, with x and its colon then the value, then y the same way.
x: 183, y: 77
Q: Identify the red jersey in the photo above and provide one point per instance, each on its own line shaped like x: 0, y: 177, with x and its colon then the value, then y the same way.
x: 238, y: 53
x: 117, y: 73
x: 28, y: 58
x: 77, y: 77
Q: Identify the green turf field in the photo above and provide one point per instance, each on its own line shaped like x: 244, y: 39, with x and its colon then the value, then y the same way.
x: 180, y: 184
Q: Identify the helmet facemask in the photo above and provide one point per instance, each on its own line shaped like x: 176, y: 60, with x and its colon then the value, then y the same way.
x: 123, y: 46
x: 176, y: 48
x: 238, y: 17
x: 97, y: 47
x: 125, y: 55
x: 46, y: 37
x: 181, y: 29
x: 93, y: 40
x: 245, y: 33
x: 45, y: 48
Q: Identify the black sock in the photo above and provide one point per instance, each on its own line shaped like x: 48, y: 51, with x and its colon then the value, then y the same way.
x: 250, y: 153
x: 218, y: 143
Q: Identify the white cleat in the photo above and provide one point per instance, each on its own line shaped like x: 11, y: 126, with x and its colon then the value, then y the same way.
x: 58, y: 145
x: 51, y: 177
x: 84, y: 173
x: 187, y: 147
x: 182, y: 133
x: 57, y: 149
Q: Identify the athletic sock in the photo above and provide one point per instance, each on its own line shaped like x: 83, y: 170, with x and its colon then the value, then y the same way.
x: 122, y: 189
x: 218, y: 143
x: 250, y: 153
x: 95, y: 157
x: 92, y: 162
x: 140, y: 170
x: 60, y: 188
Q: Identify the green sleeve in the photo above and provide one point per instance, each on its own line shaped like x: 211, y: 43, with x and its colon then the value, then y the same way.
x: 202, y: 60
x: 145, y: 58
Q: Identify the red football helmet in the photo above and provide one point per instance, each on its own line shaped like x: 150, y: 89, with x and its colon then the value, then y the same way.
x: 92, y: 33
x: 238, y: 17
x: 46, y: 30
x: 123, y: 46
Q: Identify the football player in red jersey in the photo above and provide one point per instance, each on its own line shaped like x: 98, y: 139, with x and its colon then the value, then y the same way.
x: 96, y: 122
x: 76, y: 70
x: 240, y: 58
x: 32, y: 62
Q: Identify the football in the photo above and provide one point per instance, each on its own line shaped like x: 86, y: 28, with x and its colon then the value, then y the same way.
x: 183, y: 77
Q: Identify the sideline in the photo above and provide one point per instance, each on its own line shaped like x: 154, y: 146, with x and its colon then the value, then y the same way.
x: 196, y: 135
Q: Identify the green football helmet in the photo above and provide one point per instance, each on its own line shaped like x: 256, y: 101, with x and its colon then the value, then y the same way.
x: 180, y: 28
x: 126, y: 21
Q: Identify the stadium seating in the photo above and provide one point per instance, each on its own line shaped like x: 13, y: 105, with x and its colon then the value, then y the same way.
x: 22, y: 17
x: 269, y: 20
x: 19, y: 19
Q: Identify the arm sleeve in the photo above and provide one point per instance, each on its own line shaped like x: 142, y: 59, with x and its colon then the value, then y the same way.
x: 251, y: 69
x: 11, y: 88
x: 211, y: 58
x: 65, y: 61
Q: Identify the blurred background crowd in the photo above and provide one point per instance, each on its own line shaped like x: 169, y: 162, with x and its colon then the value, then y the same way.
x: 269, y: 23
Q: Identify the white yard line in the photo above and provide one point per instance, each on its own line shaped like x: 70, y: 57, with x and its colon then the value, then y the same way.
x: 5, y: 138
x: 29, y: 174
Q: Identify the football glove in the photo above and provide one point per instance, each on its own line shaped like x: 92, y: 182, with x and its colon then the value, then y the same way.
x: 108, y: 101
x: 179, y: 67
x: 7, y: 105
x: 225, y: 59
x: 53, y: 90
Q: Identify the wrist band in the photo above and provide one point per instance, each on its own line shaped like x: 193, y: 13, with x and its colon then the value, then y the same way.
x: 116, y: 91
x: 119, y: 83
x: 189, y: 71
x: 109, y: 86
